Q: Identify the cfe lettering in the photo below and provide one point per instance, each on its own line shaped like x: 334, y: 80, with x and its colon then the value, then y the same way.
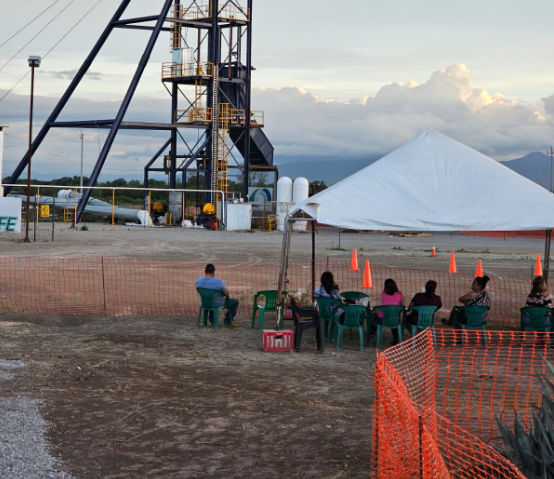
x: 7, y: 223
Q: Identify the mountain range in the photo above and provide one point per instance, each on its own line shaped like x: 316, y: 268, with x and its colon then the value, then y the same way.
x: 535, y: 166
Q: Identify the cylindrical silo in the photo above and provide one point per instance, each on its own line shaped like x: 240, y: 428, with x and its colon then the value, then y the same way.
x: 284, y: 200
x: 300, y: 192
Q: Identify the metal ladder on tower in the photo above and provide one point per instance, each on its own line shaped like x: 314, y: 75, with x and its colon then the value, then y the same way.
x: 215, y: 134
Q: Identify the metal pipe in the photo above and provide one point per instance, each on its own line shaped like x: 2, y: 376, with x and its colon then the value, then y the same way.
x: 1, y: 160
x: 82, y: 146
x: 313, y: 260
x: 113, y: 210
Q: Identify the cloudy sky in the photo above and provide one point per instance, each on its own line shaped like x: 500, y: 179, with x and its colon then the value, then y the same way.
x: 348, y: 80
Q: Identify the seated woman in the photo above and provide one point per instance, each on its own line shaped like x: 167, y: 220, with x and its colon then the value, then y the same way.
x: 429, y: 298
x: 476, y: 297
x: 328, y: 289
x: 539, y: 297
x: 390, y: 296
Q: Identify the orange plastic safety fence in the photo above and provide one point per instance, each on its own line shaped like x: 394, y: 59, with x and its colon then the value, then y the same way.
x: 438, y: 398
x: 115, y: 287
x: 533, y: 234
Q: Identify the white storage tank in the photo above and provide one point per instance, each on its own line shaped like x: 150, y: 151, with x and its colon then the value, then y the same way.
x: 300, y: 192
x: 284, y: 200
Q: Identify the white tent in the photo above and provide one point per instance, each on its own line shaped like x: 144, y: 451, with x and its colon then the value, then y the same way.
x: 433, y: 183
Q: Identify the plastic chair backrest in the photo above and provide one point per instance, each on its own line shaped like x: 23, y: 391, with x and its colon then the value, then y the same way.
x: 207, y: 297
x: 355, y: 295
x: 537, y: 316
x: 352, y: 315
x: 324, y: 305
x: 425, y: 315
x: 270, y: 299
x: 299, y: 312
x: 474, y: 315
x: 391, y: 315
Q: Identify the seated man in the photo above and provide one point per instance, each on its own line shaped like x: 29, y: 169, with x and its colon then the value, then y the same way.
x: 209, y: 281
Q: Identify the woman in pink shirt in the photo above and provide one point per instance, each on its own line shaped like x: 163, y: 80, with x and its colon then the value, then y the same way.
x: 390, y: 296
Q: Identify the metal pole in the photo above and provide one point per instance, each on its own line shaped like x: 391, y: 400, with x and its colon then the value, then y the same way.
x: 313, y: 261
x: 184, y: 206
x: 1, y: 159
x: 551, y: 153
x: 37, y: 208
x: 113, y: 209
x: 149, y: 210
x: 53, y: 216
x: 82, y: 146
x: 547, y: 255
x: 35, y: 222
x: 75, y: 215
x: 27, y: 240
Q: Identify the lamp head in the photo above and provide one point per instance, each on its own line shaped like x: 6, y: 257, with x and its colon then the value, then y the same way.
x: 34, y: 61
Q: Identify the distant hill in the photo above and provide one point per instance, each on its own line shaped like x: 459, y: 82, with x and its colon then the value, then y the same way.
x: 535, y: 166
x: 327, y: 169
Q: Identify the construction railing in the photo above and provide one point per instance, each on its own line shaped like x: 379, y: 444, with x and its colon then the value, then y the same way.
x: 536, y: 234
x: 437, y: 402
x: 115, y: 287
x: 193, y: 12
x: 194, y: 115
x: 182, y: 70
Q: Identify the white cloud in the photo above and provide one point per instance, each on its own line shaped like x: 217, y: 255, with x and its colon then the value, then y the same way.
x: 299, y: 123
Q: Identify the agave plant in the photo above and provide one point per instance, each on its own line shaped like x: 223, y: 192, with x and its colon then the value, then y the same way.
x: 533, y: 451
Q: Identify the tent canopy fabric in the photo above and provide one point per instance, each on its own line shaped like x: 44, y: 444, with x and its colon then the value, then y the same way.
x: 433, y: 183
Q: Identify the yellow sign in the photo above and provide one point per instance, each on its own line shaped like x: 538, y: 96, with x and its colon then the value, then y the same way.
x: 45, y: 211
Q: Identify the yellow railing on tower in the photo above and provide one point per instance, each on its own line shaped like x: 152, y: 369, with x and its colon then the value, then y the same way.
x: 238, y: 117
x: 233, y: 12
x: 194, y: 115
x: 182, y: 70
x: 193, y: 12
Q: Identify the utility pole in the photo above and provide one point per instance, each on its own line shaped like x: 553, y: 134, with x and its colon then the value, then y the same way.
x: 82, y: 137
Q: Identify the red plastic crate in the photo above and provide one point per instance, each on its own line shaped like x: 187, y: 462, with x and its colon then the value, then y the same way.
x: 278, y: 340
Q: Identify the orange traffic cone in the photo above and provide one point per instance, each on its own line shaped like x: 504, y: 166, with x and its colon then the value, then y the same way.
x: 354, y: 263
x: 479, y: 271
x: 452, y: 268
x: 538, y: 267
x: 368, y: 283
x: 433, y: 252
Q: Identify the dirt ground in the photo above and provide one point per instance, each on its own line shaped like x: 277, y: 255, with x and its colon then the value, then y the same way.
x: 153, y: 397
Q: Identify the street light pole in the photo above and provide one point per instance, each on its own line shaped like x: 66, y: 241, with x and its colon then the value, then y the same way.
x: 34, y: 62
x: 82, y: 137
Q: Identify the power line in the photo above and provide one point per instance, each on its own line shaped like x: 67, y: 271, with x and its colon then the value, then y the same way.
x: 36, y: 18
x: 39, y: 32
x: 55, y: 45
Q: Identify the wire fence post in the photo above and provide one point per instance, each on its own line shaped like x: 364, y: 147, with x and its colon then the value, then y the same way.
x: 75, y: 215
x: 104, y: 286
x: 53, y: 216
x: 35, y: 222
x: 113, y: 209
x: 149, y: 208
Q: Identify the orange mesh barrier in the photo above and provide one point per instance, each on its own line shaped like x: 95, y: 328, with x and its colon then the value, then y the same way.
x: 115, y: 287
x: 436, y: 402
x: 535, y: 234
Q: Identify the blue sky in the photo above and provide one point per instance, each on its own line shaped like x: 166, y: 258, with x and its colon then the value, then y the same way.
x: 352, y: 78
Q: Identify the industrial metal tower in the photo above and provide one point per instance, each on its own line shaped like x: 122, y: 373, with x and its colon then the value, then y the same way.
x: 209, y: 79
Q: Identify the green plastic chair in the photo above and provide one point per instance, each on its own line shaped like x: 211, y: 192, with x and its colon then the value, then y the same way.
x: 392, y: 319
x: 357, y: 296
x: 354, y: 317
x: 537, y: 319
x: 325, y: 312
x: 270, y: 306
x: 207, y: 305
x: 474, y: 320
x: 425, y: 320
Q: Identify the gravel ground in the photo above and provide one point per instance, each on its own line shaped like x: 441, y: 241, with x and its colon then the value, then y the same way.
x: 23, y: 446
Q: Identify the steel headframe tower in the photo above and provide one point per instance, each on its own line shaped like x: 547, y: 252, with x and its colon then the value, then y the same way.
x: 210, y: 86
